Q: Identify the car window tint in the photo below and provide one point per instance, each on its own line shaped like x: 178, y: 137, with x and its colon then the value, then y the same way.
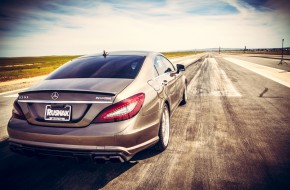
x: 167, y: 63
x: 159, y: 65
x: 111, y: 66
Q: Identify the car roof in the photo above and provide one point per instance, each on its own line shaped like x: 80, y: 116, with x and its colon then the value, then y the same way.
x: 140, y: 53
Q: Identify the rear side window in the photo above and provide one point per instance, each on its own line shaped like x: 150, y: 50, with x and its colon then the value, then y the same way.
x: 159, y: 65
x: 162, y: 65
x: 112, y: 66
x: 167, y: 63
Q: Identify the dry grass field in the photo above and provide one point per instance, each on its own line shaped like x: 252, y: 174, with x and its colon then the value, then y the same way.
x: 26, y: 67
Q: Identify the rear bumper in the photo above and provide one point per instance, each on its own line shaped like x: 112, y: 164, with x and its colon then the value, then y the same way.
x: 106, y: 141
x: 97, y: 154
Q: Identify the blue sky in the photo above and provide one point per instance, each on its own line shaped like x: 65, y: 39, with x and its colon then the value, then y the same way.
x: 66, y: 27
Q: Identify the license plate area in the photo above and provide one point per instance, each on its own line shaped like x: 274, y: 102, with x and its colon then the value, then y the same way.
x: 57, y: 113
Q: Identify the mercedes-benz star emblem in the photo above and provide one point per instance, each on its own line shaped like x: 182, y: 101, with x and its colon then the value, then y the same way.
x: 54, y: 95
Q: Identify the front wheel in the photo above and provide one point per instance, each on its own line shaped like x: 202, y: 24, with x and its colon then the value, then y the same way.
x: 184, y: 97
x: 164, y: 130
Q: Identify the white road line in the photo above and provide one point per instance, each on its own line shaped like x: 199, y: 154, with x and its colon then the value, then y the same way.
x: 13, y: 91
x: 277, y: 75
x: 211, y: 80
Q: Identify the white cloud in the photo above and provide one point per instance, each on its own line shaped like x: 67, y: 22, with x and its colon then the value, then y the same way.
x: 108, y: 27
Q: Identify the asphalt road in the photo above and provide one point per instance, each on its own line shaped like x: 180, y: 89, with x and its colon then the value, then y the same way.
x: 232, y: 134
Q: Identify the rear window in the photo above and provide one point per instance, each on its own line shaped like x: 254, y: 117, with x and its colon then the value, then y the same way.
x: 111, y: 66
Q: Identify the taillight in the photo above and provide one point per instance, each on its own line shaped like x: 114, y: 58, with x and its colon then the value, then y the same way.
x: 17, y: 112
x: 123, y: 110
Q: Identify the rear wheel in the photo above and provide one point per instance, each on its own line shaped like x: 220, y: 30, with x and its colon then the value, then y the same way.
x: 164, y: 130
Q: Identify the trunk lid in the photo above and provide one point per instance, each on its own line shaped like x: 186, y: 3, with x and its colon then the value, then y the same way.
x: 69, y: 102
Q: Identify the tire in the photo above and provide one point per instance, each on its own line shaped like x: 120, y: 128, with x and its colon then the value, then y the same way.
x: 164, y: 130
x: 184, y: 97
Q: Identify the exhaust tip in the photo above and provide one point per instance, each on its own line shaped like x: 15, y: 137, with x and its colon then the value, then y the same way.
x: 108, y: 159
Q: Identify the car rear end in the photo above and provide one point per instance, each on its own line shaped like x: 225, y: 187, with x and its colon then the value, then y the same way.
x: 85, y: 115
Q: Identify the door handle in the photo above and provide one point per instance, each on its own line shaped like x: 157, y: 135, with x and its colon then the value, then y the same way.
x: 165, y: 82
x: 173, y: 75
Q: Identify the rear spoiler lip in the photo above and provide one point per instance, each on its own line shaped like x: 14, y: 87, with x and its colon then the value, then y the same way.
x: 69, y: 90
x: 65, y: 102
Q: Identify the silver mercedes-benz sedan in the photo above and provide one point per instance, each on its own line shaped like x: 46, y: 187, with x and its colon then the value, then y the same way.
x: 105, y: 106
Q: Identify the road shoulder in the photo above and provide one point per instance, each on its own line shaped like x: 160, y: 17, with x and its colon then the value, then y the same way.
x: 19, y: 83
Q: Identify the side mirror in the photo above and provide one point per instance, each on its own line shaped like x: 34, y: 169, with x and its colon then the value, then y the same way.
x: 168, y: 70
x: 180, y: 68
